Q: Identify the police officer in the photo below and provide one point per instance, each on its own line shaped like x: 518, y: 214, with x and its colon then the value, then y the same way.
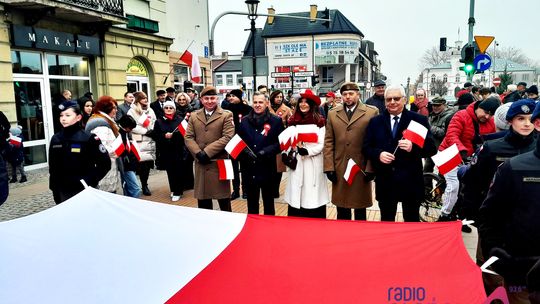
x: 75, y: 154
x: 509, y: 225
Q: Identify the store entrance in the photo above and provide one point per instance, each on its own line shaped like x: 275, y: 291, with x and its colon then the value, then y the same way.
x: 135, y: 84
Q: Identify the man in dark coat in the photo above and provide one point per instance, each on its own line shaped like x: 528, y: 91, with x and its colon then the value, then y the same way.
x: 377, y: 100
x: 399, y: 176
x: 260, y: 131
x: 4, y: 135
x: 157, y: 105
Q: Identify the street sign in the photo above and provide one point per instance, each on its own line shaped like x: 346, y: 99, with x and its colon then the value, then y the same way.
x: 482, y: 62
x: 303, y: 74
x: 497, y: 81
x: 483, y: 42
x: 280, y: 74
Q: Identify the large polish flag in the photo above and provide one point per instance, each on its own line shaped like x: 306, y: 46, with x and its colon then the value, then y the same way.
x: 225, y: 168
x: 416, y: 133
x: 118, y: 146
x: 182, y: 127
x: 447, y: 159
x: 351, y: 171
x: 285, y: 139
x: 100, y: 247
x: 308, y: 133
x: 193, y: 61
x: 235, y: 146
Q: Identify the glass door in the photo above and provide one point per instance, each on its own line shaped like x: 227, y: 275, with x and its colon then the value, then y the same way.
x: 135, y: 83
x: 32, y: 114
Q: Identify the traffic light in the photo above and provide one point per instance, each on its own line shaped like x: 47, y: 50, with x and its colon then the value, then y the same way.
x: 314, y: 80
x: 326, y: 15
x: 442, y: 45
x: 467, y: 57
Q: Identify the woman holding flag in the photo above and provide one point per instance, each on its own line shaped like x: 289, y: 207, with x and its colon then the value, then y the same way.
x: 184, y: 109
x: 145, y: 118
x: 170, y: 148
x: 307, y: 190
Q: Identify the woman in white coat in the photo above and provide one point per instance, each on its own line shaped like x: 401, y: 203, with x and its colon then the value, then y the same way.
x: 145, y: 118
x: 307, y: 188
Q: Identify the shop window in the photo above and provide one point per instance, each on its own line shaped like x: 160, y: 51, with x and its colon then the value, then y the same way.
x: 219, y: 80
x: 229, y: 79
x: 180, y: 73
x: 26, y: 62
x: 75, y: 86
x: 67, y: 65
x: 327, y: 74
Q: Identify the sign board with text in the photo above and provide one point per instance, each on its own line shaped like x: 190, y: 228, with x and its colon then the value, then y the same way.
x: 336, y: 51
x: 296, y: 49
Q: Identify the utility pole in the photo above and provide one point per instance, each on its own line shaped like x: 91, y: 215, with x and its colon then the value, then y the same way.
x: 471, y: 32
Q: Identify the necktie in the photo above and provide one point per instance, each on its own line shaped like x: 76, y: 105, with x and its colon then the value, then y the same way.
x: 349, y: 114
x: 207, y: 116
x: 394, y: 128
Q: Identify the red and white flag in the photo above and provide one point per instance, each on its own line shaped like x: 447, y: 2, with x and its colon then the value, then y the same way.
x: 416, y: 133
x: 15, y: 140
x: 307, y: 133
x: 118, y: 146
x: 351, y: 171
x: 285, y: 139
x: 225, y: 169
x: 235, y: 146
x: 182, y: 127
x: 447, y: 159
x: 144, y: 120
x: 136, y: 150
x: 193, y: 61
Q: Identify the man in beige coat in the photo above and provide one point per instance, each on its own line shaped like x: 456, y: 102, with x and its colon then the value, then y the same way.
x: 209, y: 130
x: 345, y: 129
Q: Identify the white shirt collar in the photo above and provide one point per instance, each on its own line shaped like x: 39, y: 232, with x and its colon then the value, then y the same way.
x: 351, y: 109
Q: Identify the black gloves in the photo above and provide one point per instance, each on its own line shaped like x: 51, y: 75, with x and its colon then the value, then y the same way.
x: 302, y: 151
x: 331, y: 175
x: 249, y: 154
x: 463, y: 155
x: 202, y: 158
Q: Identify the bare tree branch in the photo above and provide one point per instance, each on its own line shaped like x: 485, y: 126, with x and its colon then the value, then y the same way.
x: 432, y: 57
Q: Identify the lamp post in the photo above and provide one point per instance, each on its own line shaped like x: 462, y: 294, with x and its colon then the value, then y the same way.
x: 252, y: 10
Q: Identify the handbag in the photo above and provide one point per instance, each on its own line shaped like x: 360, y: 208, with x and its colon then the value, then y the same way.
x: 290, y: 159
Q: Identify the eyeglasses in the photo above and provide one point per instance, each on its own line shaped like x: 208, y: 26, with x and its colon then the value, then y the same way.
x: 395, y: 99
x: 181, y: 99
x: 168, y: 108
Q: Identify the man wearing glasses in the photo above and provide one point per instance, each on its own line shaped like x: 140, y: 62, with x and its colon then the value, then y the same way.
x: 209, y: 131
x: 397, y: 162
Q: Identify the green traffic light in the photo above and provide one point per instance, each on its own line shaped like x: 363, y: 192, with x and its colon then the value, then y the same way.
x: 468, y: 68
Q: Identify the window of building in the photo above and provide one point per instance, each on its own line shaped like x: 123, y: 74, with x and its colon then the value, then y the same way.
x: 62, y: 65
x: 457, y: 78
x: 239, y: 79
x: 445, y: 78
x: 327, y: 74
x: 229, y: 79
x: 483, y: 78
x: 180, y: 75
x: 433, y: 78
x: 219, y: 80
x: 525, y: 77
x: 26, y: 62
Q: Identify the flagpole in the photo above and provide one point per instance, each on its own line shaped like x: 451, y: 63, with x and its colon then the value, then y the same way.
x: 396, y: 148
x: 172, y: 68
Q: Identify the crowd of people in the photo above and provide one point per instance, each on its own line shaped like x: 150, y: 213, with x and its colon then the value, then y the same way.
x: 185, y: 134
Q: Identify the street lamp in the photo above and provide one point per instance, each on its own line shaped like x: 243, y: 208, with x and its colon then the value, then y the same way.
x: 252, y: 10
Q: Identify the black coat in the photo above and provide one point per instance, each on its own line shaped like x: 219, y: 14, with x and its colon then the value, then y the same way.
x: 170, y: 152
x: 264, y: 167
x: 401, y: 180
x: 75, y: 154
x: 158, y: 109
x: 376, y: 101
x: 239, y: 110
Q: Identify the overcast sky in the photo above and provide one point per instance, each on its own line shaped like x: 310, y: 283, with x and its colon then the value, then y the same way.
x: 401, y: 30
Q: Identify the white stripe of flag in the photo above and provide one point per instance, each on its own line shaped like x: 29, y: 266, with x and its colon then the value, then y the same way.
x: 416, y: 133
x: 118, y: 146
x: 225, y: 169
x: 182, y: 127
x: 235, y: 146
x: 308, y: 133
x: 351, y: 171
x: 447, y: 160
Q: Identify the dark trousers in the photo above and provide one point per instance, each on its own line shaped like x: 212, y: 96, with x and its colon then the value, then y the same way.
x: 346, y: 214
x: 224, y: 204
x: 236, y: 180
x: 143, y: 170
x: 428, y: 165
x: 319, y: 212
x: 189, y: 178
x: 411, y: 210
x: 17, y: 167
x: 277, y: 183
x: 253, y: 192
x: 174, y: 175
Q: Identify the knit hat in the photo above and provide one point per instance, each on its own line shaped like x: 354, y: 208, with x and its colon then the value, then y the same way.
x: 523, y: 106
x: 236, y: 92
x: 490, y: 105
x: 467, y: 85
x: 465, y: 99
x: 169, y: 103
x: 536, y: 113
x: 532, y: 89
x: 15, y: 131
x: 500, y: 117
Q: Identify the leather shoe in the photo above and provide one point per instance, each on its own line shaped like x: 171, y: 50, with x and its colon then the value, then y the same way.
x: 23, y: 179
x: 244, y: 195
x: 146, y: 191
x: 466, y: 229
x: 234, y: 195
x: 13, y: 180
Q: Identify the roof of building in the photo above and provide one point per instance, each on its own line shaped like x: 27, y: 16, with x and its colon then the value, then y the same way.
x: 289, y: 27
x: 230, y: 66
x: 259, y: 45
x: 442, y: 66
x: 501, y: 64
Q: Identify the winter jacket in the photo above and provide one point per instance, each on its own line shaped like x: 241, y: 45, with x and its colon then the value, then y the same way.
x: 439, y: 124
x: 142, y: 134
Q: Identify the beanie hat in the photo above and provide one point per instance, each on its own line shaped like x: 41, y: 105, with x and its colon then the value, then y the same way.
x: 500, y: 117
x: 236, y: 92
x: 465, y: 99
x: 169, y: 103
x: 523, y: 106
x: 15, y: 131
x: 536, y: 113
x: 490, y: 105
x: 532, y: 90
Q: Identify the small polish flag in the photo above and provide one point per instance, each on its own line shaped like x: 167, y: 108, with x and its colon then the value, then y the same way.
x: 225, y: 169
x: 351, y: 171
x: 235, y: 146
x: 118, y: 146
x: 307, y: 133
x: 144, y: 120
x: 447, y: 159
x: 182, y: 127
x: 136, y: 150
x: 416, y: 133
x: 15, y: 140
x: 285, y: 139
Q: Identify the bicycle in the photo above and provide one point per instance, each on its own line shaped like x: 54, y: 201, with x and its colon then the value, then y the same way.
x: 430, y: 207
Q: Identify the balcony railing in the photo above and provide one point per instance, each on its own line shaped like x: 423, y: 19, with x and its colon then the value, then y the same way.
x: 112, y: 7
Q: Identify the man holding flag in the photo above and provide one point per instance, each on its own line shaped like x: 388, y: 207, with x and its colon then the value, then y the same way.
x: 345, y: 131
x: 397, y: 161
x: 209, y: 130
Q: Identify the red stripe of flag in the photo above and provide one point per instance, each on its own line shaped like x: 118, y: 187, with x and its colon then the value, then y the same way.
x: 225, y: 169
x: 136, y: 150
x: 416, y: 133
x: 351, y: 171
x: 118, y: 146
x: 447, y: 159
x: 16, y: 141
x: 182, y: 127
